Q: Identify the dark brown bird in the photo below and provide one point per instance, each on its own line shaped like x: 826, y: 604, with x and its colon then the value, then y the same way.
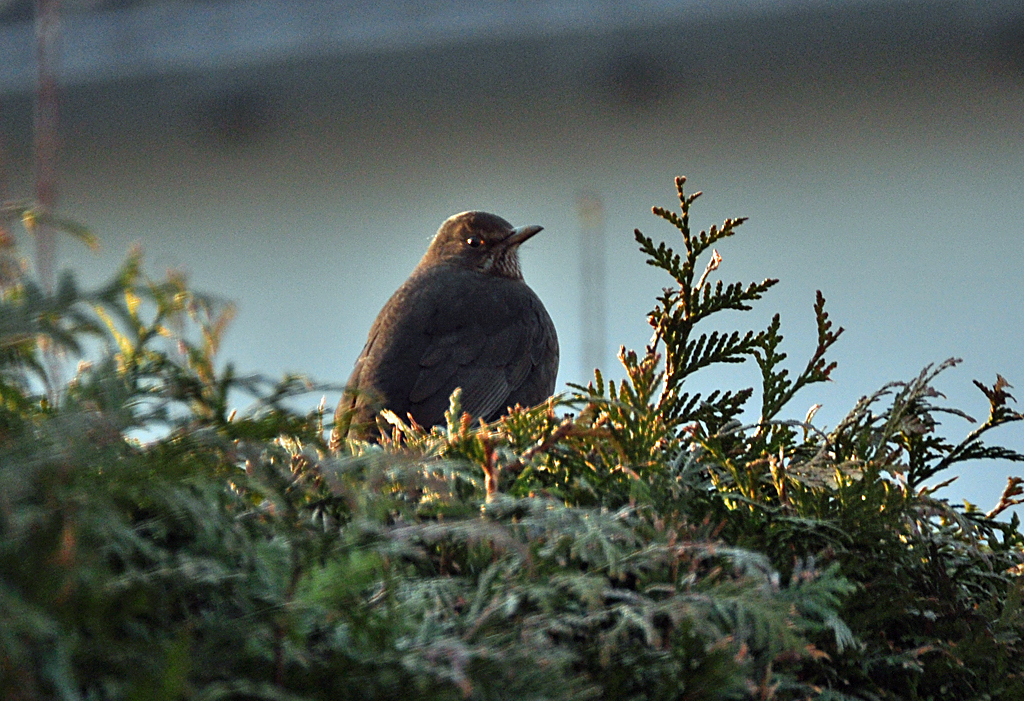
x: 464, y: 318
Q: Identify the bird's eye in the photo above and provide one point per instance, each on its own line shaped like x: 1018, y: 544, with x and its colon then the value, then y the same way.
x: 474, y: 242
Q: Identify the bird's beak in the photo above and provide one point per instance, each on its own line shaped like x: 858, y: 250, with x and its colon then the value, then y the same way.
x: 520, y: 234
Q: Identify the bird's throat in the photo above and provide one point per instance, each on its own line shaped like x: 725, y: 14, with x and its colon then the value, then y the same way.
x: 504, y: 263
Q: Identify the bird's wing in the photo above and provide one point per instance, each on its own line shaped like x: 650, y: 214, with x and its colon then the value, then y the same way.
x: 494, y: 341
x: 356, y: 406
x: 487, y: 346
x: 536, y: 373
x: 387, y: 365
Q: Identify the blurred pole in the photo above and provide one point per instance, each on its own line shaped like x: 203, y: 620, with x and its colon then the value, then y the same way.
x: 593, y: 276
x: 45, y: 139
x: 8, y: 264
x: 45, y: 145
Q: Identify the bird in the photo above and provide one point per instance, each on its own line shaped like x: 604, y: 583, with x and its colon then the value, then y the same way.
x: 464, y: 318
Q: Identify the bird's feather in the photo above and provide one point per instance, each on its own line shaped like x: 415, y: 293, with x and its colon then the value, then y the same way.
x: 452, y: 326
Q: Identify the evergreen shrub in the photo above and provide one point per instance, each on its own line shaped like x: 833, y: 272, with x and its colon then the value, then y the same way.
x: 626, y: 540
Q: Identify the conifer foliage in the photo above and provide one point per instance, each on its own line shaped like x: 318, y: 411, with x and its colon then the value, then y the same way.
x: 632, y: 539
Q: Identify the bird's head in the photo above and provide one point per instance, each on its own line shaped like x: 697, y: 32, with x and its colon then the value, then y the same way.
x: 479, y: 241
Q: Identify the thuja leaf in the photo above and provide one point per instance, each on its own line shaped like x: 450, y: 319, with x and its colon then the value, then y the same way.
x: 661, y: 256
x: 682, y: 406
x: 711, y: 349
x: 999, y: 410
x: 735, y: 296
x: 817, y: 370
x: 774, y: 380
x: 910, y: 423
x: 972, y: 447
x: 778, y: 389
x: 720, y: 408
x: 33, y: 215
x: 681, y: 308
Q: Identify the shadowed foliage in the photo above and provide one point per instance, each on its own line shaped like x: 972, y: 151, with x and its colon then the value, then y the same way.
x: 630, y: 539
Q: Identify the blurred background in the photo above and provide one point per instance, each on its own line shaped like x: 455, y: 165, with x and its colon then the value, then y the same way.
x: 296, y: 157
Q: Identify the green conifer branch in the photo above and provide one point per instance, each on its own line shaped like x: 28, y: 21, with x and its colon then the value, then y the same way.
x: 1000, y: 413
x: 778, y: 389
